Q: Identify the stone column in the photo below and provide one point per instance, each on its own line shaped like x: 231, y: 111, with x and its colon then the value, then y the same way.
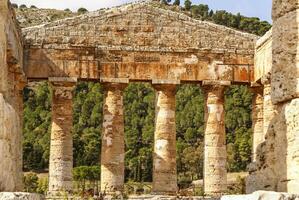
x: 257, y: 120
x: 61, y: 147
x: 113, y: 143
x: 215, y: 179
x: 164, y: 157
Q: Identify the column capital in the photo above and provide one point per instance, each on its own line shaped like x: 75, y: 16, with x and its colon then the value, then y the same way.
x: 62, y: 87
x: 257, y: 90
x: 63, y: 81
x: 165, y: 87
x: 215, y: 85
x: 266, y: 79
x: 216, y: 91
x: 21, y: 81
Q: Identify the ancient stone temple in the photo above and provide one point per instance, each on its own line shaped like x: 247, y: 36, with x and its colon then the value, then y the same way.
x: 141, y: 42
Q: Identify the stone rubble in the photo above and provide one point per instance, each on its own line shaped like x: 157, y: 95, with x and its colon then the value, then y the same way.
x: 262, y: 195
x: 20, y: 196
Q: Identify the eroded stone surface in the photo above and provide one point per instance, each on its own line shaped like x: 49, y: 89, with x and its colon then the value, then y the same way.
x: 113, y: 144
x: 282, y: 7
x: 257, y: 120
x: 215, y: 180
x: 11, y: 85
x: 164, y: 157
x: 10, y: 148
x: 285, y: 76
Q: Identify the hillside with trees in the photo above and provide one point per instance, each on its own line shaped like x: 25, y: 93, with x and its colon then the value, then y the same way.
x: 139, y: 115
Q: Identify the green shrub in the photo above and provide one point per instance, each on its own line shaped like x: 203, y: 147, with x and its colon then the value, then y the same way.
x: 239, y: 187
x: 23, y: 6
x: 30, y: 182
x: 42, y: 186
x: 82, y: 10
x: 84, y: 174
x: 184, y: 182
x: 14, y: 5
x: 198, y: 191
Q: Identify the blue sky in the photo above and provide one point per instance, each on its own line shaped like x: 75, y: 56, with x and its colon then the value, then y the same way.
x: 251, y: 8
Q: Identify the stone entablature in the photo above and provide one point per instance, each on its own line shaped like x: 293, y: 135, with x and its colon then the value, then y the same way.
x: 140, y: 42
x: 263, y: 57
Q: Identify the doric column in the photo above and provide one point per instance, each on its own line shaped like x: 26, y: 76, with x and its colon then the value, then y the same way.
x: 61, y: 147
x: 215, y: 179
x: 113, y: 144
x: 164, y: 158
x: 257, y: 120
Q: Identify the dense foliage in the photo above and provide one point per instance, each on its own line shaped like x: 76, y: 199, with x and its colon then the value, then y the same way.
x: 139, y: 120
x: 248, y: 24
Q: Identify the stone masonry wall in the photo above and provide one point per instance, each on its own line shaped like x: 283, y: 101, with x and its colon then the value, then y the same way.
x: 285, y: 92
x: 10, y: 151
x: 140, y: 25
x: 285, y: 74
x: 11, y: 85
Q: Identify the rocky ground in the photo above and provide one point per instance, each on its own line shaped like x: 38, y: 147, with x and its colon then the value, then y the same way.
x: 35, y: 16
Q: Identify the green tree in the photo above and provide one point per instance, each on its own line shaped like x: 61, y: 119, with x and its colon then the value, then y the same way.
x: 176, y: 2
x: 139, y: 131
x: 30, y: 181
x: 188, y: 5
x: 82, y: 10
x: 22, y: 6
x: 14, y: 5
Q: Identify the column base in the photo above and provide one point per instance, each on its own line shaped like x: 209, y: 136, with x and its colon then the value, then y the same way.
x: 164, y: 193
x: 59, y: 195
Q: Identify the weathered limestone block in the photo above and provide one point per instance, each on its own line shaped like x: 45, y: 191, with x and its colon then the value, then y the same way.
x: 268, y: 106
x: 285, y: 93
x: 262, y: 195
x: 287, y: 133
x: 61, y: 147
x: 257, y: 120
x: 282, y: 7
x: 164, y: 157
x: 285, y: 75
x: 215, y: 172
x: 10, y: 148
x: 3, y: 63
x: 113, y: 141
x: 20, y: 196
